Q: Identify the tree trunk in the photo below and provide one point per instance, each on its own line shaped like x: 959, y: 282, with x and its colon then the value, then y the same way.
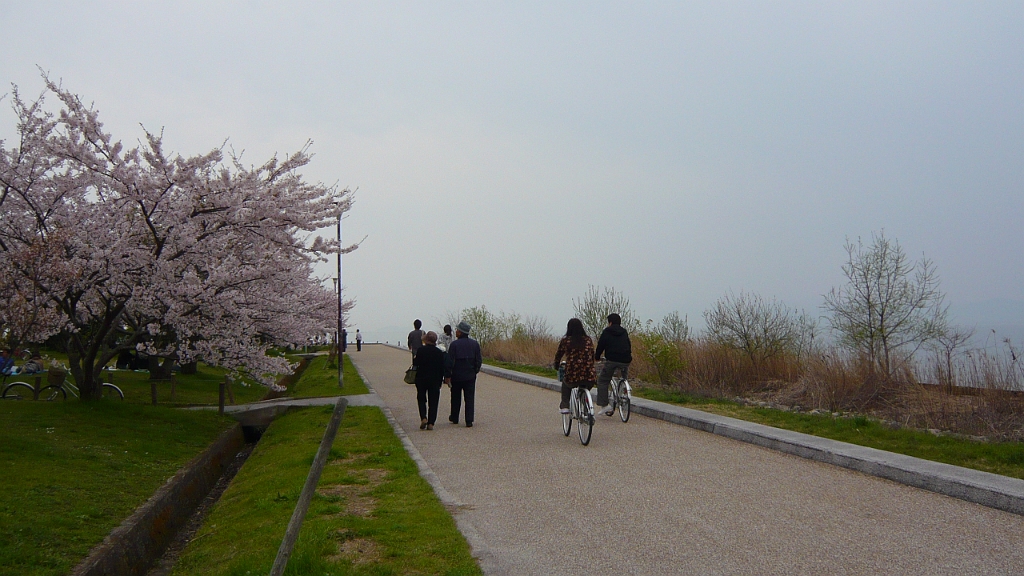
x: 190, y: 367
x: 86, y: 378
x: 160, y: 370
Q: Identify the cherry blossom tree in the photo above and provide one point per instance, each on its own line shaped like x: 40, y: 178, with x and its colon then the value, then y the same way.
x: 113, y: 248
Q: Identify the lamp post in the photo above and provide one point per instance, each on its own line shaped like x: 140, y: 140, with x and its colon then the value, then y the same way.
x: 341, y: 326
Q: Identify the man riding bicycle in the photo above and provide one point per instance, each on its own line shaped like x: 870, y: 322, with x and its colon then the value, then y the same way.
x: 614, y: 344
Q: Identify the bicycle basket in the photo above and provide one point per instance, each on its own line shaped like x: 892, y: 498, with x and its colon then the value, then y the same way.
x: 56, y: 377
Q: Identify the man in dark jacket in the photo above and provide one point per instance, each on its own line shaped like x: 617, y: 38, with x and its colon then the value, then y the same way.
x: 464, y: 359
x: 618, y: 353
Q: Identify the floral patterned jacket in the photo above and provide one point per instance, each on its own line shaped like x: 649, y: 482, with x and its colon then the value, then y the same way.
x: 579, y: 362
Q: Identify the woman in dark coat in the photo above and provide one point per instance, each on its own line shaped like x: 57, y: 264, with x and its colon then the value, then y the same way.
x: 578, y: 350
x: 429, y: 362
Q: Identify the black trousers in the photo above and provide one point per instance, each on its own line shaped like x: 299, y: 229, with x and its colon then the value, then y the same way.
x: 567, y: 391
x: 427, y: 396
x: 359, y: 345
x: 460, y: 388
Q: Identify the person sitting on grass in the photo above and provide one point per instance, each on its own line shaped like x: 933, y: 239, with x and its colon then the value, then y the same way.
x: 6, y: 362
x: 34, y: 365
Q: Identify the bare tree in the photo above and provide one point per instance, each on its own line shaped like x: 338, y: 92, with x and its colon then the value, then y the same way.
x: 534, y: 327
x: 947, y: 346
x: 674, y: 328
x: 762, y: 329
x: 595, y: 306
x: 889, y: 305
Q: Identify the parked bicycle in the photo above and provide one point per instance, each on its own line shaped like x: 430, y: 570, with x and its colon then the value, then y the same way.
x: 581, y: 409
x: 57, y: 388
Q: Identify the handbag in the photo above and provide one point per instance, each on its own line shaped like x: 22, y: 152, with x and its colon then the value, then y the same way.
x: 410, y: 375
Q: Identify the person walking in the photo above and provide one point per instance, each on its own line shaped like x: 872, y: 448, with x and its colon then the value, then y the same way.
x: 445, y: 340
x: 465, y: 360
x: 359, y: 341
x: 430, y: 371
x: 618, y: 353
x: 578, y: 350
x: 415, y: 337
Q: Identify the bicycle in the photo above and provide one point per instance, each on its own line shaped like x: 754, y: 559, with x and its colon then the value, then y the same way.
x: 581, y: 409
x: 620, y: 395
x: 57, y: 388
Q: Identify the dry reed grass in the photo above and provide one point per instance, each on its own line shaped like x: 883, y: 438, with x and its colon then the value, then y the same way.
x: 984, y: 396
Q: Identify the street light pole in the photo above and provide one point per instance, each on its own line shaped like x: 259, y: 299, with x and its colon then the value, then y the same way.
x: 341, y: 326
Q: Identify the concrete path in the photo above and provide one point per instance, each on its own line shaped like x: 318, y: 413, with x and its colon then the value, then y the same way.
x: 650, y: 497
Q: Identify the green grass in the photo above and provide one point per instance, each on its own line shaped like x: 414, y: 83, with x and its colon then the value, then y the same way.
x: 203, y: 387
x: 1006, y: 458
x: 526, y: 368
x: 73, y: 471
x: 189, y: 390
x: 320, y: 379
x: 370, y: 496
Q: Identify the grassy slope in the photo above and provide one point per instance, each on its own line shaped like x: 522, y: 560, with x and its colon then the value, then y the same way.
x: 1006, y: 458
x: 319, y: 379
x: 408, y: 531
x: 526, y: 368
x: 72, y: 471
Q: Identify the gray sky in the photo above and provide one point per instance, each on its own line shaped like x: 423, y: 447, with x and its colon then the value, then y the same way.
x: 513, y: 154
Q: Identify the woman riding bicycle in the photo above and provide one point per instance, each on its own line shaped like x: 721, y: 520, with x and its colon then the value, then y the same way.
x: 578, y: 350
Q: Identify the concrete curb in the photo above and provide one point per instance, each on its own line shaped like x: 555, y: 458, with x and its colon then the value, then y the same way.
x: 132, y: 547
x: 992, y: 490
x: 478, y: 546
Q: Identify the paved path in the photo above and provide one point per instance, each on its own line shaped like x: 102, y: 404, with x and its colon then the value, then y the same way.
x: 664, y: 499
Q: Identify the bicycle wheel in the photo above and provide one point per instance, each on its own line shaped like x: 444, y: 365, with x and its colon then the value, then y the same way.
x: 624, y: 400
x: 613, y: 394
x: 567, y: 422
x: 112, y: 392
x: 586, y: 425
x: 53, y: 393
x: 19, y: 391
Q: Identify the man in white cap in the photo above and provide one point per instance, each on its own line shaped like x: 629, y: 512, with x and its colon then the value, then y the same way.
x: 465, y: 360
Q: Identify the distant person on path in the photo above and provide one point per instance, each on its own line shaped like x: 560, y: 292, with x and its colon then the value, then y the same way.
x: 445, y: 340
x: 618, y: 353
x: 464, y: 360
x: 359, y: 341
x: 415, y: 337
x: 430, y: 368
x: 578, y: 350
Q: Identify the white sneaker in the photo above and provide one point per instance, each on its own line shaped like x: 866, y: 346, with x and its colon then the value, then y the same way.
x: 563, y: 410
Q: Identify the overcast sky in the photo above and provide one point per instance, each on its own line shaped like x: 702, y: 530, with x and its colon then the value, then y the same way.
x: 512, y: 154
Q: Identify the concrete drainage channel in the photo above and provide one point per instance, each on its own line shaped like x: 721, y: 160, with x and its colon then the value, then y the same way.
x: 150, y: 540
